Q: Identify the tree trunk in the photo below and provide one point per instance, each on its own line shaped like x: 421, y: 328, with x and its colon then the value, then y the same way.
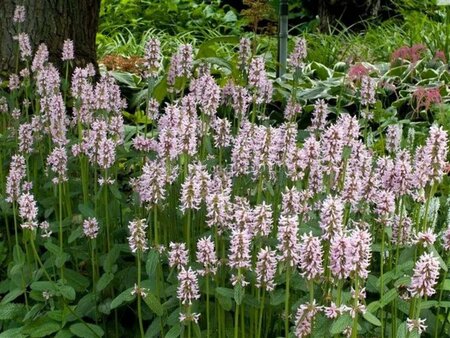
x: 347, y: 12
x: 51, y: 22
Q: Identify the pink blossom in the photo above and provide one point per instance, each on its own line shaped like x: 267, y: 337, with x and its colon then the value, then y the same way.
x: 288, y: 244
x: 425, y: 276
x: 19, y: 14
x: 187, y: 290
x: 90, y: 228
x: 178, y: 255
x: 67, y: 53
x: 206, y: 256
x: 331, y: 217
x: 137, y: 239
x: 310, y: 256
x: 298, y: 55
x: 266, y: 268
x: 239, y: 256
x: 152, y: 56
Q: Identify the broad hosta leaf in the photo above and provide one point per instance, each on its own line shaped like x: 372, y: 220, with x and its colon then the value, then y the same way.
x: 85, y: 330
x: 154, y: 304
x: 321, y: 71
x: 125, y: 296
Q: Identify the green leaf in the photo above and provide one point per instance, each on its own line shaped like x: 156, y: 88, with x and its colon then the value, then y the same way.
x: 85, y: 305
x: 76, y: 280
x: 61, y: 259
x: 67, y: 292
x: 64, y: 334
x: 230, y: 17
x: 12, y: 333
x: 371, y: 318
x: 402, y: 281
x: 441, y: 261
x: 125, y: 296
x: 225, y: 296
x: 373, y: 306
x: 152, y: 263
x: 321, y: 71
x: 115, y: 192
x: 197, y: 331
x: 446, y: 285
x: 104, y: 281
x: 44, y: 286
x: 154, y: 304
x: 174, y: 332
x: 402, y: 331
x: 277, y: 297
x: 86, y: 210
x: 75, y: 234
x: 41, y: 327
x: 10, y: 296
x: 10, y: 310
x: 111, y: 258
x: 340, y: 324
x: 86, y: 330
x: 238, y: 294
x: 53, y: 248
x: 428, y: 304
x: 18, y: 255
x: 388, y: 297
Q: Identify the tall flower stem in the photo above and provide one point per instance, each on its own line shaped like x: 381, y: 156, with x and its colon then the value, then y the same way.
x: 261, y: 313
x: 236, y: 313
x: 139, y: 294
x: 355, y: 304
x: 60, y: 232
x: 286, y: 302
x: 94, y: 278
x: 441, y: 292
x: 208, y: 332
x: 106, y: 206
x: 382, y: 280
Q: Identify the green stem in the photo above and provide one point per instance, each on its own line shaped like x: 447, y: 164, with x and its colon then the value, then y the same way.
x: 261, y: 313
x: 105, y: 196
x: 286, y: 302
x: 382, y: 280
x: 61, y: 226
x: 141, y: 325
x: 208, y: 332
x: 355, y: 304
x: 37, y: 258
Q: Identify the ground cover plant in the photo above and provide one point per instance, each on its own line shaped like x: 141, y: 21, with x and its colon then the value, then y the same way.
x: 227, y: 202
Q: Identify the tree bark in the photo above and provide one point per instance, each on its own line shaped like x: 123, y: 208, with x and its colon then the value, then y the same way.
x: 51, y: 22
x: 347, y: 12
